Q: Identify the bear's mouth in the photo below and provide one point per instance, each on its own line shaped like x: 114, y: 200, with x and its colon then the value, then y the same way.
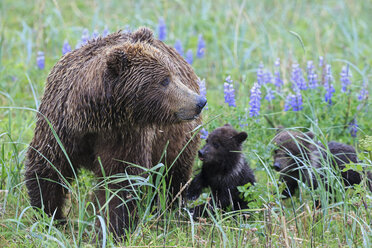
x: 181, y: 116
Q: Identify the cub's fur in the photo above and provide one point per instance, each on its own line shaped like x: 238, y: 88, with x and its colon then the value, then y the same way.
x: 224, y: 168
x: 297, y: 156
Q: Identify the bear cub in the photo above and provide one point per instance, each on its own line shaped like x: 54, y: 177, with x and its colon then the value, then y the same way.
x: 224, y: 168
x: 295, y: 149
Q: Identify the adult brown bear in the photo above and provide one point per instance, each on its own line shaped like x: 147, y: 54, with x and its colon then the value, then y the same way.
x: 119, y: 98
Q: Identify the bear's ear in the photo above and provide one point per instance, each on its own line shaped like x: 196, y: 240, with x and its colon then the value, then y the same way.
x: 310, y: 135
x: 143, y: 34
x: 279, y: 128
x: 227, y: 125
x: 240, y: 137
x: 116, y: 60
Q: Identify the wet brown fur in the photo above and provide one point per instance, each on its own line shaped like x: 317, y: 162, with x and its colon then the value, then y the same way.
x: 106, y: 100
x: 297, y: 155
x: 224, y: 169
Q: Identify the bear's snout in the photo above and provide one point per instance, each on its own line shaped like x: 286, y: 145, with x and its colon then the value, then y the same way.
x: 277, y: 166
x: 201, y: 154
x: 202, y: 101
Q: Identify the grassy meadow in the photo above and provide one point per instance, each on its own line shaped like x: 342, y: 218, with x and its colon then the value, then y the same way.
x: 243, y: 40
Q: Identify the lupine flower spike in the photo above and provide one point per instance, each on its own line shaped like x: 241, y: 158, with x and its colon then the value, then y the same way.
x: 178, y: 47
x: 298, y: 81
x: 203, y: 91
x: 260, y: 74
x: 269, y: 94
x: 203, y: 133
x: 293, y: 101
x: 277, y: 80
x: 189, y: 57
x: 353, y: 127
x: 40, y: 60
x: 345, y: 78
x: 229, y: 92
x: 201, y: 47
x: 328, y: 85
x: 66, y: 48
x: 162, y: 29
x: 312, y: 77
x: 255, y: 100
x: 105, y: 32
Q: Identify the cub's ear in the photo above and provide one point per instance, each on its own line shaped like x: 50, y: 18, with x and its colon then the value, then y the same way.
x: 227, y: 125
x: 310, y: 135
x: 279, y: 129
x: 116, y: 60
x: 240, y: 137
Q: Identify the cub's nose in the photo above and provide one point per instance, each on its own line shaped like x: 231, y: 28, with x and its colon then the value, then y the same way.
x: 202, y: 101
x: 277, y: 166
x: 200, y: 155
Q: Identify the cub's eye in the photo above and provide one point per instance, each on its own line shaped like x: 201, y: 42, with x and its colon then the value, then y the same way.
x: 215, y: 145
x: 165, y: 82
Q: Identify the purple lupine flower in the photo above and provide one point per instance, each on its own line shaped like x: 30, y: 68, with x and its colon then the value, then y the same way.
x: 328, y: 85
x: 353, y: 128
x: 269, y: 94
x: 267, y: 77
x: 297, y: 102
x: 105, y: 32
x: 277, y: 80
x: 363, y: 94
x: 201, y: 47
x: 243, y: 121
x: 255, y: 100
x: 203, y: 133
x: 203, y: 90
x: 312, y: 77
x: 66, y: 47
x: 298, y: 81
x: 321, y: 61
x: 293, y: 101
x: 287, y: 103
x: 40, y: 60
x: 162, y: 29
x: 85, y: 36
x: 95, y: 34
x: 345, y: 78
x: 260, y: 74
x: 178, y: 47
x: 329, y: 93
x: 84, y: 39
x: 189, y: 56
x: 229, y: 92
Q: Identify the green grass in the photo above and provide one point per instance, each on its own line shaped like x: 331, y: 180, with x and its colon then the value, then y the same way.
x: 239, y: 35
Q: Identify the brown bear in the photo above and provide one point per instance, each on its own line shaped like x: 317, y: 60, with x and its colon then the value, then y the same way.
x: 224, y: 169
x: 115, y: 101
x: 297, y: 156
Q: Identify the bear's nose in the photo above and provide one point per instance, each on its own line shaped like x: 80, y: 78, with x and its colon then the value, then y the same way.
x: 202, y: 101
x: 200, y: 154
x: 277, y: 166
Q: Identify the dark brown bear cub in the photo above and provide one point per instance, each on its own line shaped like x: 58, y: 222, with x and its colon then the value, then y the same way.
x: 297, y: 157
x: 224, y: 168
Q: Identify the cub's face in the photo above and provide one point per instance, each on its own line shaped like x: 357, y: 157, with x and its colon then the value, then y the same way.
x: 147, y: 87
x: 221, y: 144
x: 290, y: 145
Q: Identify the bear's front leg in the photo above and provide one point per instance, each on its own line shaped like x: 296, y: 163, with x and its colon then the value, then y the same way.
x: 116, y: 196
x: 44, y: 186
x: 121, y: 209
x: 196, y: 187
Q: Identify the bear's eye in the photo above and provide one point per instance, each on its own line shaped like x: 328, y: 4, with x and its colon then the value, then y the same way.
x: 165, y: 82
x: 215, y: 145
